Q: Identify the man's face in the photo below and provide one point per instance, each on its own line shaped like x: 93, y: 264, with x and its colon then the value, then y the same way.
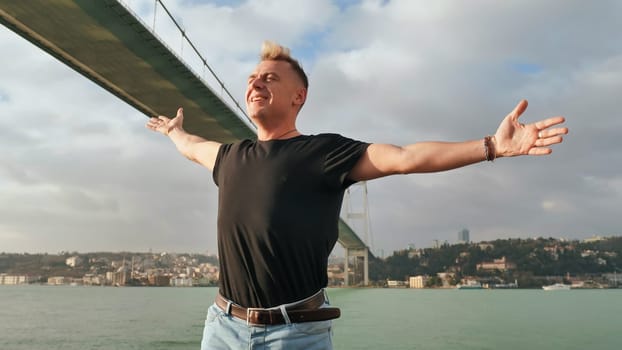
x: 273, y: 90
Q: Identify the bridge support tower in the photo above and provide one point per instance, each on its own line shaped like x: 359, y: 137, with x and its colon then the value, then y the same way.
x: 357, y: 216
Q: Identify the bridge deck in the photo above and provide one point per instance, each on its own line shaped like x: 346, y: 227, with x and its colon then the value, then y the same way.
x: 105, y: 42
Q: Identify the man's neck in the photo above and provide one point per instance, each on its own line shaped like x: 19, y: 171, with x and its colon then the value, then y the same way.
x: 276, y: 128
x: 280, y: 133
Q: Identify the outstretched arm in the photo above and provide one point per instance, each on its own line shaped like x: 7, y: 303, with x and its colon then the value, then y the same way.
x: 190, y: 146
x: 511, y: 139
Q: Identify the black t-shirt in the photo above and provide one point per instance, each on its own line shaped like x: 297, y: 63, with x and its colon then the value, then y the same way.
x: 278, y: 213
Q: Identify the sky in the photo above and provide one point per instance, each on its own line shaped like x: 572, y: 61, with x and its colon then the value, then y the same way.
x: 80, y: 172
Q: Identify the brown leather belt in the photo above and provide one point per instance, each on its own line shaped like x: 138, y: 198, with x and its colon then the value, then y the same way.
x: 307, y: 311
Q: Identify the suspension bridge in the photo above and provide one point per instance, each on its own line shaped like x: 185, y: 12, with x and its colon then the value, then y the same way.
x: 108, y: 43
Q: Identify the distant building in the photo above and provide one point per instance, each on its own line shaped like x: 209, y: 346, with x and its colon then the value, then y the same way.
x: 181, y: 281
x: 415, y: 253
x: 614, y: 279
x: 463, y: 236
x: 417, y: 281
x: 73, y: 261
x: 497, y: 264
x: 396, y: 284
x: 587, y: 253
x: 14, y: 279
x: 92, y: 280
x: 119, y: 277
x: 484, y: 246
x: 159, y: 280
x: 57, y: 280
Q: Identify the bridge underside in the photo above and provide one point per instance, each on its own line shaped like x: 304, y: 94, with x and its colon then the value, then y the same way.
x: 106, y: 43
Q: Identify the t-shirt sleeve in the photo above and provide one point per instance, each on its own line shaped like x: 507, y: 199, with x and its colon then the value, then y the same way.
x: 343, y: 155
x: 223, y: 150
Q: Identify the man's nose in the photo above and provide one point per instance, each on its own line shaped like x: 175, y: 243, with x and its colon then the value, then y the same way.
x: 256, y: 83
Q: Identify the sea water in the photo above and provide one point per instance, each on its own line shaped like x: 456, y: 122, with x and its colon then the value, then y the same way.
x: 62, y: 317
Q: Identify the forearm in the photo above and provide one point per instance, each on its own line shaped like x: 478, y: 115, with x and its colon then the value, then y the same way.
x: 184, y: 142
x: 425, y: 157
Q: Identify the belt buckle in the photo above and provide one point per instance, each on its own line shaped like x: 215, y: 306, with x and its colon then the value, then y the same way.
x: 248, y: 315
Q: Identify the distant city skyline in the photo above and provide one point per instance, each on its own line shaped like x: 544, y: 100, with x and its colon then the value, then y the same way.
x: 79, y: 172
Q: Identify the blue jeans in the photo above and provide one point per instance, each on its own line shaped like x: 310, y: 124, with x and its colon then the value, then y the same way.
x: 225, y: 332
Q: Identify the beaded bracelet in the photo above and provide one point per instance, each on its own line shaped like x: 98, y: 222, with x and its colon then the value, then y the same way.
x: 489, y: 149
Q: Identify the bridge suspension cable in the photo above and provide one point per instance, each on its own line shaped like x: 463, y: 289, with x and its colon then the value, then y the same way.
x: 196, y: 51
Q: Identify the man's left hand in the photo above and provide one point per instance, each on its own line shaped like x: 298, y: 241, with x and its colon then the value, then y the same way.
x: 515, y: 139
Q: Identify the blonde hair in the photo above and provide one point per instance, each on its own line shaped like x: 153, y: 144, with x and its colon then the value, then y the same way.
x: 271, y: 51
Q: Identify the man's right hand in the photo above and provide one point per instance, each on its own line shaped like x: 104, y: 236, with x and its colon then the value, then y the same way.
x: 165, y: 125
x: 193, y: 147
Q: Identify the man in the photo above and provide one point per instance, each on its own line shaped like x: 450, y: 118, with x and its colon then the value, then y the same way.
x: 280, y: 197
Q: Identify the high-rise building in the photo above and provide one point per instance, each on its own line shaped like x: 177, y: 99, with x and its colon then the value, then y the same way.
x: 463, y: 236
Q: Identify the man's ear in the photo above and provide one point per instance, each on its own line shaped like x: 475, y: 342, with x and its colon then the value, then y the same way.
x: 300, y: 97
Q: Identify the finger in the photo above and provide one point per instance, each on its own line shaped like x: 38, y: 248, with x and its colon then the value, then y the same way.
x: 547, y: 123
x: 180, y: 112
x: 153, y: 122
x: 163, y: 118
x: 539, y: 151
x: 519, y: 109
x: 548, y: 141
x: 542, y: 134
x: 152, y: 126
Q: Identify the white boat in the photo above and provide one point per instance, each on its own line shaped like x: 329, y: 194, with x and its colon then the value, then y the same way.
x: 557, y: 286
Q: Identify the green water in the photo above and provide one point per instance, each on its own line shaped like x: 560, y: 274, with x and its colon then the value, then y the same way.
x: 46, y: 317
x: 479, y: 319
